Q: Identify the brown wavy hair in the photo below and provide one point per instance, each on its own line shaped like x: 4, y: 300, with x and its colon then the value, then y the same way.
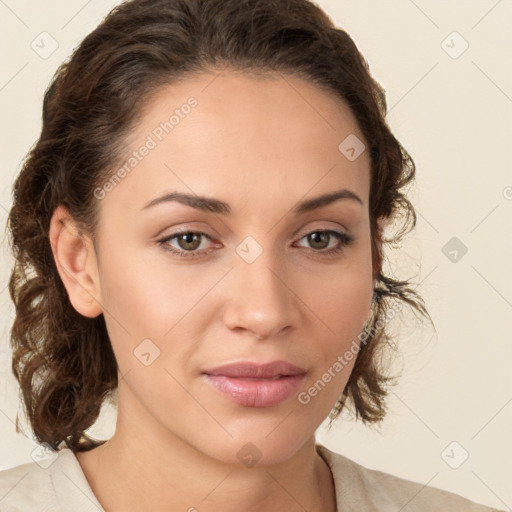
x: 63, y: 361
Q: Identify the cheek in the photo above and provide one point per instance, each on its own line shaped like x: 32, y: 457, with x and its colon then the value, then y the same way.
x: 133, y: 303
x: 342, y: 302
x: 157, y: 301
x: 341, y: 295
x: 342, y: 305
x: 345, y: 305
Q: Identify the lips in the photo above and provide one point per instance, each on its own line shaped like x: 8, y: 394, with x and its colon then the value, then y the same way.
x: 257, y: 371
x: 256, y: 385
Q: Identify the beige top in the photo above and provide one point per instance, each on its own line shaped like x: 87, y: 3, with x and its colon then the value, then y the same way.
x: 62, y: 487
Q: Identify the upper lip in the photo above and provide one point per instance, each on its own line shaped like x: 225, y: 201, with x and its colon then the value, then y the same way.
x: 256, y: 371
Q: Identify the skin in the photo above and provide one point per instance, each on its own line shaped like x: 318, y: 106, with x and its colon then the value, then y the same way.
x: 261, y: 145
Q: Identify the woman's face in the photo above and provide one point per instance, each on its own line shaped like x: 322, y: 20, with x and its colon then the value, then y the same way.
x: 255, y: 288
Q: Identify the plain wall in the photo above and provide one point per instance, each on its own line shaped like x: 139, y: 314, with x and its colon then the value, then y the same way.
x: 452, y: 110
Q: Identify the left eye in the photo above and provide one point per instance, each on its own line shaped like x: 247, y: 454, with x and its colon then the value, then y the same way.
x: 319, y: 237
x: 190, y: 241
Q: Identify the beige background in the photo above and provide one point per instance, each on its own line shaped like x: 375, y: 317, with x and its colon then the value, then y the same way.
x: 453, y: 112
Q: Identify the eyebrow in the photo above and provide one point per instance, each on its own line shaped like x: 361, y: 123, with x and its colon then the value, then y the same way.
x: 209, y: 204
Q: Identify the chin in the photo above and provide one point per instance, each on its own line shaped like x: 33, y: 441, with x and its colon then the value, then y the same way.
x: 256, y: 447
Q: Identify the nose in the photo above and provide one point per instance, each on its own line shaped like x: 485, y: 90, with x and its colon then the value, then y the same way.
x: 261, y: 300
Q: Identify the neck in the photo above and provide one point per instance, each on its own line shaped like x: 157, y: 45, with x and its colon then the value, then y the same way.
x: 134, y: 472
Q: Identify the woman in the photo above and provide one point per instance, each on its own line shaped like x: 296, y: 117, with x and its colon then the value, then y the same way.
x: 198, y: 234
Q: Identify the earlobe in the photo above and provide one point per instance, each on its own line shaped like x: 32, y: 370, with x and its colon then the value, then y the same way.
x: 76, y: 263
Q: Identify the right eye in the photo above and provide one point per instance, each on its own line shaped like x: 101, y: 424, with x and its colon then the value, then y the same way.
x: 187, y: 241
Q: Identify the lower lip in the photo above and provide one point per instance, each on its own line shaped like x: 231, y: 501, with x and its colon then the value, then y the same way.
x: 256, y: 392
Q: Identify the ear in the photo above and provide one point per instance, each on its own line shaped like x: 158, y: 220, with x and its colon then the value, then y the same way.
x: 76, y: 263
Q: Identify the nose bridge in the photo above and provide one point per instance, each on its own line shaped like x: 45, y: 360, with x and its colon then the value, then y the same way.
x: 262, y: 301
x: 263, y: 276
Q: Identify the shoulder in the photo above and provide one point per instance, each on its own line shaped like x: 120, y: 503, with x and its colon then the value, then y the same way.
x: 358, y: 486
x: 55, y: 484
x: 26, y: 487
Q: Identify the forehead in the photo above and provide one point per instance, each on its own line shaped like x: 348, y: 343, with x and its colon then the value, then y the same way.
x: 252, y: 101
x: 230, y: 133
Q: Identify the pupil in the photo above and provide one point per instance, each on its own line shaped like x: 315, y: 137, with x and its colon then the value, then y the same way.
x: 315, y: 236
x: 187, y: 238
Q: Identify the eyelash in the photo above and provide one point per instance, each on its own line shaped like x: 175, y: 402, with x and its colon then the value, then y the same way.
x: 345, y: 240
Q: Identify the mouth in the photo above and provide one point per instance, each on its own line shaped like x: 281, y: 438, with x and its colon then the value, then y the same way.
x: 256, y: 385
